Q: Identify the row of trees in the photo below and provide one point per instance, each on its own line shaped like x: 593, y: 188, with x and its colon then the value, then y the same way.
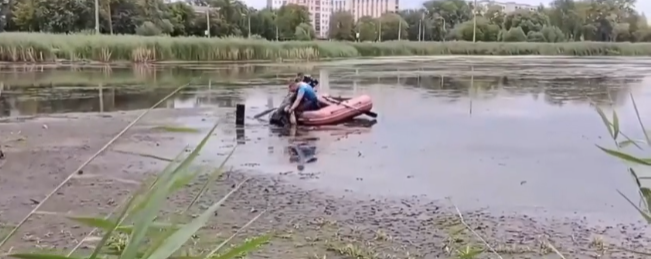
x: 437, y: 20
x: 563, y: 20
x: 155, y: 17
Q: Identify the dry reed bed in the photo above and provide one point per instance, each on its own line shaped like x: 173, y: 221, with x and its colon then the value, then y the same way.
x: 40, y: 47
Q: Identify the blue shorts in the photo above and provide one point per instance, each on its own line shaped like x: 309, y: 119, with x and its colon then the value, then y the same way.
x: 309, y: 105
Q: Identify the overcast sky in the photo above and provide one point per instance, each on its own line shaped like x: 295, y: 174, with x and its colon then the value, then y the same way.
x: 642, y: 5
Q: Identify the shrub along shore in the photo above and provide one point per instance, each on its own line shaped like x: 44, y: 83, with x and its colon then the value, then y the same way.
x: 41, y: 47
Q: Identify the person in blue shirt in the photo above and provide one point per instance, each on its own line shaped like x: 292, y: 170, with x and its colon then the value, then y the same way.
x: 309, y: 80
x: 306, y: 99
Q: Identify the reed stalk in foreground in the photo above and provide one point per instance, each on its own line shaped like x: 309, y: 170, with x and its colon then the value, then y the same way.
x: 135, y: 233
x: 634, y: 163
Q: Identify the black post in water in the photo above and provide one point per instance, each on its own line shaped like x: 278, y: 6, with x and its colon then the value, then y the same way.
x: 239, y: 115
x: 239, y: 123
x: 239, y: 135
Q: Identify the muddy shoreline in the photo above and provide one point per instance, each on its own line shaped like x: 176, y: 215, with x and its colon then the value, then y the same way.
x: 306, y: 222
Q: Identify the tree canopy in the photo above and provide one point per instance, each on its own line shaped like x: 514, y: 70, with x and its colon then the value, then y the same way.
x: 155, y: 17
x: 562, y: 20
x: 436, y: 20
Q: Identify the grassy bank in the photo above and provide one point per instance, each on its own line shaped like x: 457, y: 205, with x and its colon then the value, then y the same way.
x: 38, y: 47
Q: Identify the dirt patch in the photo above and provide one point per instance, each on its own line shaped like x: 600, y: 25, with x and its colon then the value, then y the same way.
x: 42, y: 152
x: 314, y: 224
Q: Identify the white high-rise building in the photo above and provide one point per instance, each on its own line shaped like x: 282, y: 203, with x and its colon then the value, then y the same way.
x: 319, y: 10
x: 275, y: 4
x: 372, y: 8
x: 507, y: 7
x: 361, y: 8
x: 340, y: 5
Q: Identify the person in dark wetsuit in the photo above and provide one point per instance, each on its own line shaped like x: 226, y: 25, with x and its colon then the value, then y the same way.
x: 305, y: 99
x: 309, y: 80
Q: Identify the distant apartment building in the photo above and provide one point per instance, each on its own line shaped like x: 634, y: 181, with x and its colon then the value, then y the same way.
x: 507, y: 7
x: 340, y: 5
x: 319, y: 10
x: 372, y: 8
x: 275, y: 4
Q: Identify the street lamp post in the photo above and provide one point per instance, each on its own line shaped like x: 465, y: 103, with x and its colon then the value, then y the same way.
x: 420, y: 27
x: 248, y: 18
x: 445, y: 29
x: 474, y: 22
x: 208, y: 22
x: 421, y: 33
x: 399, y: 29
x: 379, y: 31
x: 275, y: 19
x: 97, y: 16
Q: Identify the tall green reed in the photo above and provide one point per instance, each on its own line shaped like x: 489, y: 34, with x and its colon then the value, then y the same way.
x: 136, y: 233
x: 46, y: 47
x: 634, y: 163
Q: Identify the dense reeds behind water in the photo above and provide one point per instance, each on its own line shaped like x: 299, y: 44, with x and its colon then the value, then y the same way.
x: 41, y: 47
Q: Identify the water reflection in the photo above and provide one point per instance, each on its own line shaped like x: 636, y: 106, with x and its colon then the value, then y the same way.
x: 42, y: 76
x: 240, y: 135
x: 71, y: 93
x: 105, y: 99
x: 302, y: 152
x: 555, y: 91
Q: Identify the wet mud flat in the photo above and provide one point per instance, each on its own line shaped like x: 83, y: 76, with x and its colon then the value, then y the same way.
x: 42, y: 151
x: 305, y: 223
x: 315, y: 224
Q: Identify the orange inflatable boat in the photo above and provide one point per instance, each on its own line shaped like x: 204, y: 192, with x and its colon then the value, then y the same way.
x: 337, y: 113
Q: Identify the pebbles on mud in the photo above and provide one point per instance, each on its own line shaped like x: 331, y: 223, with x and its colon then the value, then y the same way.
x: 310, y: 222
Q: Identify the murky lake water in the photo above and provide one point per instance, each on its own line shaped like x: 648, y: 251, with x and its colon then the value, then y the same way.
x: 515, y: 134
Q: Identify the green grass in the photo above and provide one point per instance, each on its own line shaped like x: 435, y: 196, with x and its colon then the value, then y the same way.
x: 636, y: 167
x: 41, y: 47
